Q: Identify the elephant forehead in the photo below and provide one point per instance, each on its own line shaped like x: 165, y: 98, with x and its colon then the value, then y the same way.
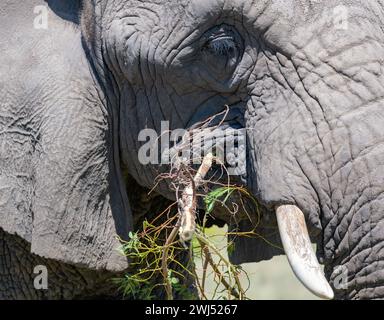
x: 195, y: 11
x: 174, y: 25
x: 201, y: 8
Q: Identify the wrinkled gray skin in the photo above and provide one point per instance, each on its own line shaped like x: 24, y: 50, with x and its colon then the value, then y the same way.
x: 74, y: 98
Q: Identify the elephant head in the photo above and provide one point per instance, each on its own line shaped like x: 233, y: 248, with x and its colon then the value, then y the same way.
x: 302, y: 79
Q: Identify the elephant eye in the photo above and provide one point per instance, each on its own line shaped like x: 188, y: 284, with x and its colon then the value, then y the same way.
x: 222, y: 49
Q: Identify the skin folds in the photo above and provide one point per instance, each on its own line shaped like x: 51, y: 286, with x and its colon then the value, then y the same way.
x: 305, y: 87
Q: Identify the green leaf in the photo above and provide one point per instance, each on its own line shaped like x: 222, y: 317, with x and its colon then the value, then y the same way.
x: 211, y: 198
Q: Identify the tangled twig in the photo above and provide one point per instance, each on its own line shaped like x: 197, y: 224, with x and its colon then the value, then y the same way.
x: 186, y: 224
x: 186, y: 182
x: 205, y: 246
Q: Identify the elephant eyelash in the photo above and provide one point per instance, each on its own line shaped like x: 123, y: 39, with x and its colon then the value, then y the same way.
x: 222, y: 46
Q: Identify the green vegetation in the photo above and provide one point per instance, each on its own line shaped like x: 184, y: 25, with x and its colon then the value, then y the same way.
x: 158, y: 258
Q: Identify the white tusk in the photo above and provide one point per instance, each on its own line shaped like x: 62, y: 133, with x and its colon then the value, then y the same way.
x: 298, y: 248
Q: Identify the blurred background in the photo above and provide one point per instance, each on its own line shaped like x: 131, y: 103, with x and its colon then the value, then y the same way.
x: 268, y: 280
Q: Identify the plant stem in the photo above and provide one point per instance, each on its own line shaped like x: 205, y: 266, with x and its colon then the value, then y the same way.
x: 205, y: 243
x: 164, y: 260
x: 209, y: 259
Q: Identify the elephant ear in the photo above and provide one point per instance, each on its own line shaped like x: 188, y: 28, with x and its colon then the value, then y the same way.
x: 61, y: 188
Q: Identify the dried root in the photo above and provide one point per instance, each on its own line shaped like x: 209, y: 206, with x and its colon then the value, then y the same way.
x: 188, y: 202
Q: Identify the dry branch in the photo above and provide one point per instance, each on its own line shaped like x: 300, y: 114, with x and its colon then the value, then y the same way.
x: 188, y: 202
x: 186, y: 224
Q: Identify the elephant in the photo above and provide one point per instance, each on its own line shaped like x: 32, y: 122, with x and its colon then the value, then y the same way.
x: 80, y: 79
